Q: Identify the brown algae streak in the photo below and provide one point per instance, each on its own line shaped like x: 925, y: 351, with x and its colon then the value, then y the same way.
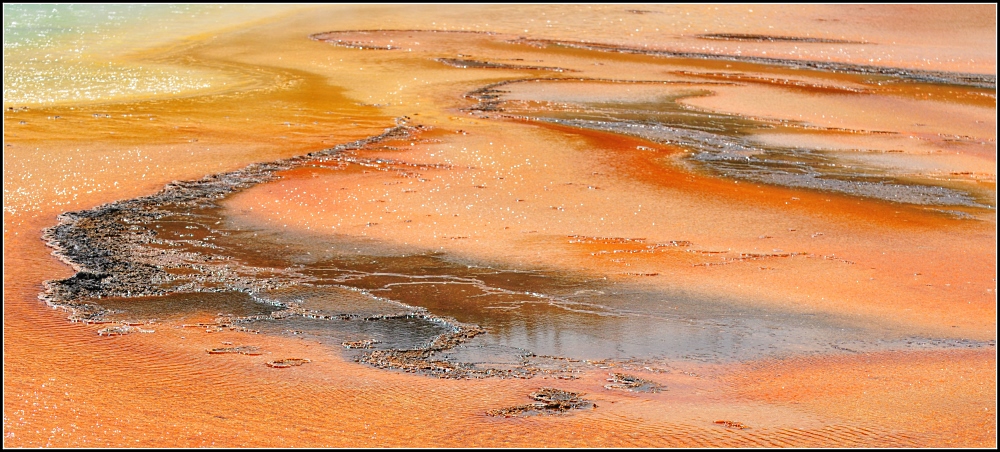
x: 723, y: 144
x: 987, y: 81
x: 772, y: 38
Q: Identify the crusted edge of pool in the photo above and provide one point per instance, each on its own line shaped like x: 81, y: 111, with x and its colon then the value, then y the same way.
x: 97, y: 245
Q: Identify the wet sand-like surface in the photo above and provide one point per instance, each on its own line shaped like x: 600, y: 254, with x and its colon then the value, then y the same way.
x: 532, y: 239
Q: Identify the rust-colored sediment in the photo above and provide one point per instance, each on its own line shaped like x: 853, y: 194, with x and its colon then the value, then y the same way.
x: 905, y: 269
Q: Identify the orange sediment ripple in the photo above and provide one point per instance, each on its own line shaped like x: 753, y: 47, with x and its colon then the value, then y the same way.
x: 87, y: 392
x: 948, y: 392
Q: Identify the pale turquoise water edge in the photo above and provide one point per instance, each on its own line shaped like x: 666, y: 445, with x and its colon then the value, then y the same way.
x: 57, y: 53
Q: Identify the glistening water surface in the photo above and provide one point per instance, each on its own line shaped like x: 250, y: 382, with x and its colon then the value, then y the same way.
x: 57, y: 53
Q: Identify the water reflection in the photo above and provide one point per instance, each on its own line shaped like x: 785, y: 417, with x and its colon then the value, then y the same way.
x: 331, y: 292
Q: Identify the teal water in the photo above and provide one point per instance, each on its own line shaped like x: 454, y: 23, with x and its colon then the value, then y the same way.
x: 81, y: 53
x: 52, y: 26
